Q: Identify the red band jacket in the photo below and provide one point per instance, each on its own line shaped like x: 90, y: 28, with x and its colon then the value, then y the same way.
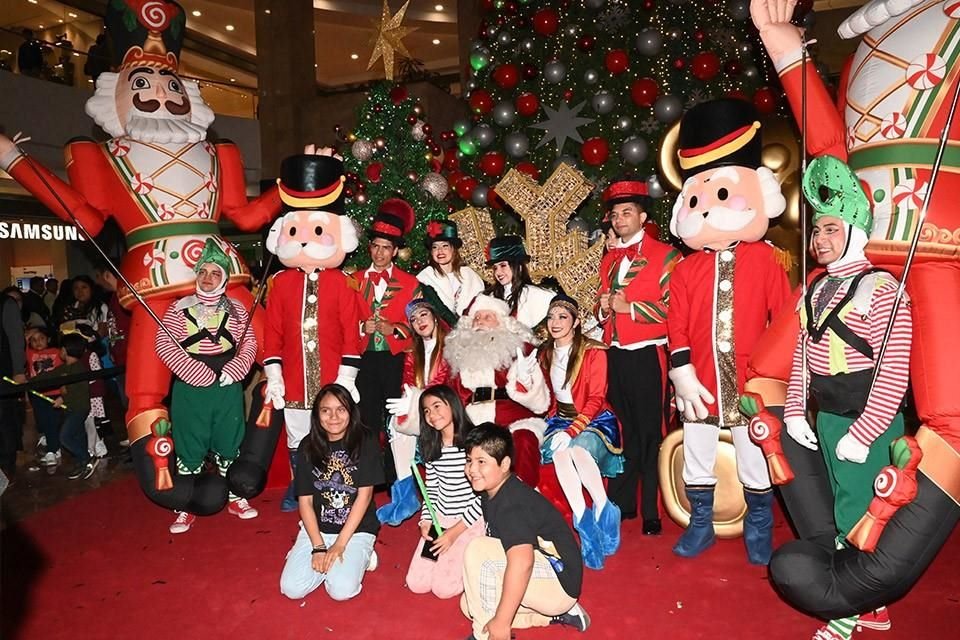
x: 401, y: 289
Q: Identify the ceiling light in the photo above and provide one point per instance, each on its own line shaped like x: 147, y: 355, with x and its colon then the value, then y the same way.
x: 354, y: 56
x: 436, y: 41
x: 266, y: 11
x: 60, y: 20
x: 72, y: 14
x: 76, y: 54
x: 439, y: 7
x: 314, y: 65
x: 40, y: 26
x: 229, y: 27
x: 196, y: 13
x: 32, y: 1
x: 233, y: 79
x: 90, y: 80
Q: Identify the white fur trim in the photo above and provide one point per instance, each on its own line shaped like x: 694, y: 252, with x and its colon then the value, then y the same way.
x: 481, y: 412
x: 483, y: 302
x: 537, y: 426
x: 411, y: 426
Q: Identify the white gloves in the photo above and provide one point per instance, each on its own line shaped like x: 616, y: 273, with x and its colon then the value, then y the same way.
x: 226, y: 380
x: 400, y: 407
x: 347, y: 378
x: 852, y: 450
x: 692, y: 397
x: 560, y: 441
x: 275, y: 388
x: 799, y: 429
x: 526, y: 365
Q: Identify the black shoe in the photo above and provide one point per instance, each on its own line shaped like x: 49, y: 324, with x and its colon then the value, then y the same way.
x: 628, y: 515
x: 652, y: 527
x: 77, y: 471
x: 577, y: 618
x: 90, y: 467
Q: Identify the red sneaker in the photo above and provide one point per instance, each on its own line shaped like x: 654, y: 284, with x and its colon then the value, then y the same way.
x: 825, y: 633
x: 183, y: 522
x: 242, y: 509
x: 878, y: 620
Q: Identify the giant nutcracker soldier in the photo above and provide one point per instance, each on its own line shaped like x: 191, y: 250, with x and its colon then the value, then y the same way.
x: 166, y: 187
x: 893, y: 101
x: 721, y: 299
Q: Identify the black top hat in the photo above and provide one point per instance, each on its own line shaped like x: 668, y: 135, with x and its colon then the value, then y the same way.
x: 442, y: 231
x: 312, y: 182
x: 719, y: 133
x: 506, y: 248
x: 394, y: 219
x: 146, y: 34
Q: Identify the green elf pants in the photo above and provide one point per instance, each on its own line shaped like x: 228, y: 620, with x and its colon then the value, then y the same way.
x: 206, y: 419
x: 852, y: 483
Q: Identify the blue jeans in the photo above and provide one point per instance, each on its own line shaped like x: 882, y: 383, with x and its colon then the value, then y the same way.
x: 343, y: 581
x: 73, y: 437
x: 48, y: 422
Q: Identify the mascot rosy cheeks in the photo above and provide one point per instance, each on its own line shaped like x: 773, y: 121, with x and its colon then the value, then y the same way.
x: 721, y: 299
x: 313, y: 317
x: 893, y: 101
x: 166, y: 187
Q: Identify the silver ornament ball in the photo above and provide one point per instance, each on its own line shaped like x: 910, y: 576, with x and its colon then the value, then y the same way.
x: 436, y: 185
x: 590, y: 76
x: 654, y: 188
x: 603, y: 102
x: 362, y: 150
x: 634, y: 150
x: 554, y: 71
x: 504, y: 113
x: 516, y: 144
x: 479, y: 196
x: 667, y: 109
x: 484, y: 135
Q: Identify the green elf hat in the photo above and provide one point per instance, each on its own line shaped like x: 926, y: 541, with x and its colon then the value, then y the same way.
x: 833, y: 189
x: 506, y: 248
x: 213, y: 253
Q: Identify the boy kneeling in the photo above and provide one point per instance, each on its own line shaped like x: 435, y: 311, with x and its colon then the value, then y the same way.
x: 528, y: 571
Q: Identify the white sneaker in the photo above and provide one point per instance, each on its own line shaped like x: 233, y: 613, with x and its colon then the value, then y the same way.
x: 374, y: 562
x: 183, y: 522
x: 50, y: 459
x: 242, y: 509
x: 100, y: 449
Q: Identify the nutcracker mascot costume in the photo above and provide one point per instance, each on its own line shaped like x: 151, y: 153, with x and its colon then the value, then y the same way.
x: 895, y: 98
x: 166, y: 186
x: 494, y: 370
x: 312, y: 333
x: 721, y: 299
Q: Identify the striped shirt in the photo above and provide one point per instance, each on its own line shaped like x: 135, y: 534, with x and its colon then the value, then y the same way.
x: 891, y: 385
x: 448, y: 488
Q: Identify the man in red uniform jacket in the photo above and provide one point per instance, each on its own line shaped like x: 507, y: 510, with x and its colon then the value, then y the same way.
x: 311, y: 336
x: 722, y: 298
x: 384, y: 289
x: 633, y: 298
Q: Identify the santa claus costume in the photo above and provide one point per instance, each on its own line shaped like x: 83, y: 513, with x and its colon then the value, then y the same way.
x: 495, y: 372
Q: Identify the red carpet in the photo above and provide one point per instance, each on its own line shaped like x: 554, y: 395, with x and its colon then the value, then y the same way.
x: 103, y: 566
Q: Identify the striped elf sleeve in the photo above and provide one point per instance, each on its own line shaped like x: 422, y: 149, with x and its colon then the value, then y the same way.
x: 655, y: 311
x: 891, y: 385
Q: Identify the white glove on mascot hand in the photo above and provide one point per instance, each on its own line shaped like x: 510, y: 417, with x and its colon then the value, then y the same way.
x: 275, y: 387
x: 799, y: 429
x: 692, y: 397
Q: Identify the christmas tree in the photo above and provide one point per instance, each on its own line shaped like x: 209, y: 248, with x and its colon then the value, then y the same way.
x: 392, y: 154
x: 596, y: 84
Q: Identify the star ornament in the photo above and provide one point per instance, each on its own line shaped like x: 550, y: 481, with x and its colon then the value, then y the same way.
x: 387, y: 39
x: 562, y: 123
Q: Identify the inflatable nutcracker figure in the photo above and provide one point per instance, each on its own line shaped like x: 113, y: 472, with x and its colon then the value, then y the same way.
x: 894, y: 99
x: 721, y: 299
x: 166, y: 186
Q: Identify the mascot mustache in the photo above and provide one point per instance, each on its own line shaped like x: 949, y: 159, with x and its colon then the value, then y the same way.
x: 719, y: 218
x: 314, y: 250
x: 149, y: 106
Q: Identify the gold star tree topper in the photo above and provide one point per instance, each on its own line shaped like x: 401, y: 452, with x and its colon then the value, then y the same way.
x: 387, y: 38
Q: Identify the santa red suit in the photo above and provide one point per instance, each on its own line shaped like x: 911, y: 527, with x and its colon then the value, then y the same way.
x: 496, y: 386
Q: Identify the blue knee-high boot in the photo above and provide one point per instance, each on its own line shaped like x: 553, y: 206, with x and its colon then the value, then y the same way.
x: 289, y: 502
x: 403, y: 502
x: 590, y: 544
x: 758, y: 526
x: 699, y: 535
x: 609, y: 525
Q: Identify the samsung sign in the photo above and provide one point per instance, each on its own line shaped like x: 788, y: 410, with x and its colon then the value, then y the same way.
x: 33, y: 231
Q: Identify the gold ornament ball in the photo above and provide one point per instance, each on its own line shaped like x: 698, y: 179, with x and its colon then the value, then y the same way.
x: 380, y: 142
x: 351, y: 137
x: 412, y: 176
x: 405, y: 254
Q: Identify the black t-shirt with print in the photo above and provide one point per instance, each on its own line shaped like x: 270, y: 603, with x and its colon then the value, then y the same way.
x: 334, y: 486
x: 519, y: 515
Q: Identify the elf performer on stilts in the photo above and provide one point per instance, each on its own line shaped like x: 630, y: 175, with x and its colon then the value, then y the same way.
x: 167, y: 187
x: 895, y: 97
x: 721, y: 299
x: 216, y: 350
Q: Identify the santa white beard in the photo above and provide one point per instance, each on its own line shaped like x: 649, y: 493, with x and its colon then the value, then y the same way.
x: 480, y: 350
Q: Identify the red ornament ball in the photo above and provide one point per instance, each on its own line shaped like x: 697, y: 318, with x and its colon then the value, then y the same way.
x: 465, y: 186
x: 733, y: 67
x: 507, y: 76
x: 481, y: 102
x: 568, y: 95
x: 679, y: 64
x: 765, y: 101
x: 529, y: 169
x: 377, y: 108
x: 545, y: 21
x: 373, y: 172
x: 529, y: 72
x: 428, y: 128
x: 486, y: 5
x: 412, y: 119
x: 586, y: 43
x: 492, y: 164
x: 595, y: 151
x: 644, y: 92
x: 451, y: 162
x: 493, y: 200
x: 617, y: 61
x: 527, y: 104
x: 648, y: 5
x: 705, y: 65
x: 398, y: 94
x: 699, y: 35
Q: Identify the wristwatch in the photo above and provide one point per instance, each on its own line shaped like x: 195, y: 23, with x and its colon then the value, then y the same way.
x: 320, y: 548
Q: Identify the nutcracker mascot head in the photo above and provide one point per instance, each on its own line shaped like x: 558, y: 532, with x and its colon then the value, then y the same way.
x: 145, y: 99
x: 314, y: 233
x: 728, y: 196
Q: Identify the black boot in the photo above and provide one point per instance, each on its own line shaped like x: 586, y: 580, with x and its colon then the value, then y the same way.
x: 699, y: 535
